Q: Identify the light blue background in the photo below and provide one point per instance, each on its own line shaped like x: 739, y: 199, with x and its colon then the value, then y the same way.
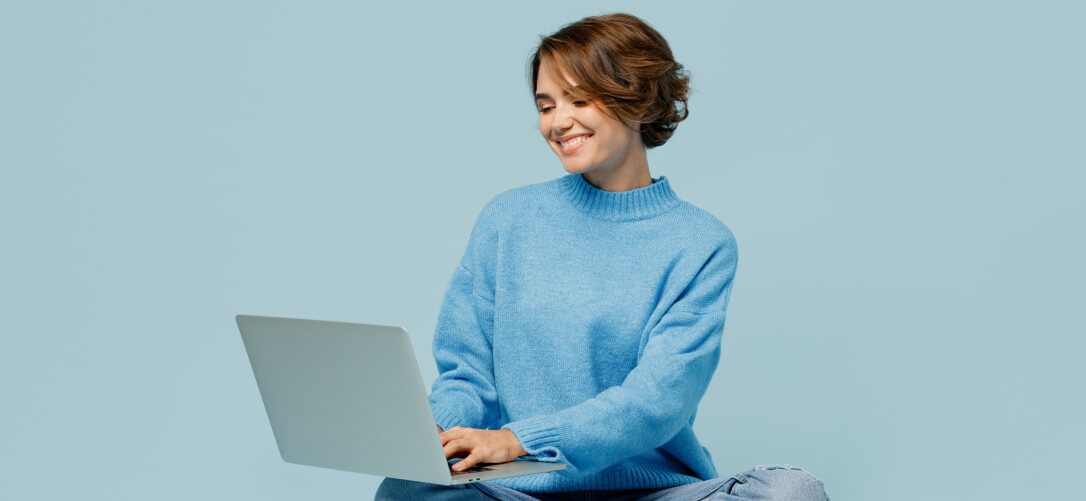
x: 904, y: 180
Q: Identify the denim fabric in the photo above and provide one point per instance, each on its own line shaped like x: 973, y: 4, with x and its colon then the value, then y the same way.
x: 763, y: 483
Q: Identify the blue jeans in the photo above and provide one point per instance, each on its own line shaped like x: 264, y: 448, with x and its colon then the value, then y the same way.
x: 784, y: 483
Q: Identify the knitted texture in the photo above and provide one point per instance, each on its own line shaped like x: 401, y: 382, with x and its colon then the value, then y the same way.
x: 588, y: 323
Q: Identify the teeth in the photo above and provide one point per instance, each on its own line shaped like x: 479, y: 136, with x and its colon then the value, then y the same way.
x: 577, y: 140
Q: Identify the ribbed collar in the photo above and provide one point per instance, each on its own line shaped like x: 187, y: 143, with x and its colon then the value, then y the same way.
x: 630, y: 205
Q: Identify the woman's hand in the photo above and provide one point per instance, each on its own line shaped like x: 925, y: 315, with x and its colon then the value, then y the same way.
x: 480, y: 446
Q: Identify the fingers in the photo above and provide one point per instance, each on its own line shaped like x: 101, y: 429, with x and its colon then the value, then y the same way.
x: 467, y: 462
x: 452, y: 434
x: 456, y: 448
x: 466, y: 443
x: 481, y: 446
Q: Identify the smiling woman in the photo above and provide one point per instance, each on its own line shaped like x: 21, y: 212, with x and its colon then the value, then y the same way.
x: 583, y: 323
x: 586, y: 138
x: 607, y: 88
x: 624, y: 64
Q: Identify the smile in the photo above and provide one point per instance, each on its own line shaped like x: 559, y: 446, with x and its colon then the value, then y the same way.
x: 568, y: 147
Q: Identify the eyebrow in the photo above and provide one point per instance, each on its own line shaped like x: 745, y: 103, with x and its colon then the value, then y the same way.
x: 565, y: 92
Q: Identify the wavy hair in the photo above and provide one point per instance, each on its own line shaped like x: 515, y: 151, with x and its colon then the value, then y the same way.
x: 625, y: 64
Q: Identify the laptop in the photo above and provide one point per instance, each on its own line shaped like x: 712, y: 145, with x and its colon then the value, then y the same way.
x: 350, y: 397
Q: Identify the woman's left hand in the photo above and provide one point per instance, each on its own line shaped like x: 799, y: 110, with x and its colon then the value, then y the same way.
x: 480, y: 446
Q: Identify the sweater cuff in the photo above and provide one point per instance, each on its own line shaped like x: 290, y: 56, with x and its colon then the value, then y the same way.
x: 538, y: 436
x: 446, y: 416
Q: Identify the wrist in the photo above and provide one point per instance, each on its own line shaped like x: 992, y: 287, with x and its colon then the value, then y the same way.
x: 518, y: 450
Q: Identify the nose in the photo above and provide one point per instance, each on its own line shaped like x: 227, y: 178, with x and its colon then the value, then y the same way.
x: 562, y: 118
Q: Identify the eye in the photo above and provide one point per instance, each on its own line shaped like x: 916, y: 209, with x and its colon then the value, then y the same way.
x: 581, y: 103
x: 544, y: 109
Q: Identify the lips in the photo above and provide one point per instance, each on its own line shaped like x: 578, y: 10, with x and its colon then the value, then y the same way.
x: 571, y: 144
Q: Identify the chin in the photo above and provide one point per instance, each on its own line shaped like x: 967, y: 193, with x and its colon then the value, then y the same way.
x: 576, y: 168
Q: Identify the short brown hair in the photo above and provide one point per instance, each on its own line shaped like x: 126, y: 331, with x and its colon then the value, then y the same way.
x: 627, y: 66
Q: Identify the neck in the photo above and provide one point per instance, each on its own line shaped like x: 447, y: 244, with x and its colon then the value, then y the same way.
x: 631, y: 174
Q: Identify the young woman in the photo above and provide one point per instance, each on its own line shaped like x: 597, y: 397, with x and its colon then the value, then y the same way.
x: 583, y: 323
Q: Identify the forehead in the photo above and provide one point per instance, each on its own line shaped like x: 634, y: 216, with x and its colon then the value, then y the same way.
x: 553, y: 78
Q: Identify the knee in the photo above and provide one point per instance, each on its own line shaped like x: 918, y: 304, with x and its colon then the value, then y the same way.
x: 391, y: 489
x: 789, y: 483
x: 394, y: 489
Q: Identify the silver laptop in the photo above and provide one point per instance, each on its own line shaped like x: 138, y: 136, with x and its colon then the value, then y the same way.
x: 350, y: 397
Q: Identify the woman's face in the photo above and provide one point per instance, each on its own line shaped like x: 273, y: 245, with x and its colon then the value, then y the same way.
x: 584, y: 137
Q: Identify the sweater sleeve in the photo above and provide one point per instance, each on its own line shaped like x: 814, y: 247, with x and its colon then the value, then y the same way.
x: 464, y: 393
x: 659, y: 396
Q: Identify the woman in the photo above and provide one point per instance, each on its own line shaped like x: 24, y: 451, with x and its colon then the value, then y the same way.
x: 583, y: 323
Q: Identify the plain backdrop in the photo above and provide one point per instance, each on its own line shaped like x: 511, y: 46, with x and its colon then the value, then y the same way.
x: 904, y: 180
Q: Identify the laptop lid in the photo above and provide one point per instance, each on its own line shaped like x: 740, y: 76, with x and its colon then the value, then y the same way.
x: 345, y: 396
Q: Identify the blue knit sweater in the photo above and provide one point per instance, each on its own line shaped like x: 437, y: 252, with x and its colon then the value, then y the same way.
x: 588, y: 323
